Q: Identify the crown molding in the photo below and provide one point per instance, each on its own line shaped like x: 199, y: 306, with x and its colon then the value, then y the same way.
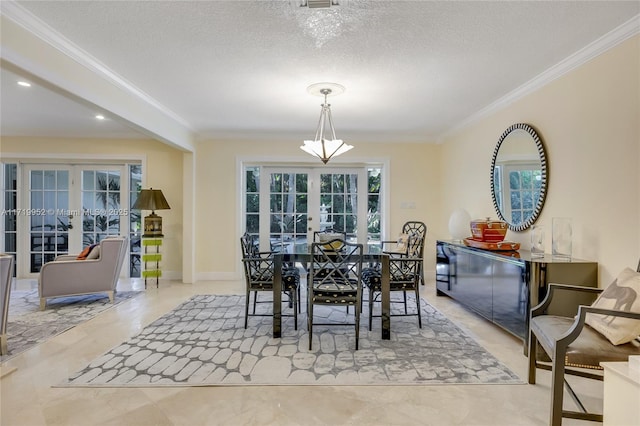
x: 579, y: 58
x: 40, y: 29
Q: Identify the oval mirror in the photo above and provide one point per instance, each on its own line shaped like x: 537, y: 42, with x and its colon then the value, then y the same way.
x: 519, y: 176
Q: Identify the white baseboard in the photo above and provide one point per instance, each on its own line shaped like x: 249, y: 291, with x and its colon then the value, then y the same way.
x: 172, y: 275
x: 218, y: 276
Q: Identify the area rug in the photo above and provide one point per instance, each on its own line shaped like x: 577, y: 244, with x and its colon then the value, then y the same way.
x: 203, y: 342
x: 28, y: 326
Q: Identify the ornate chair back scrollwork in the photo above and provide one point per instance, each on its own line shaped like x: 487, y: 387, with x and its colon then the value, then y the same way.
x: 409, y: 243
x: 418, y: 229
x: 335, y: 279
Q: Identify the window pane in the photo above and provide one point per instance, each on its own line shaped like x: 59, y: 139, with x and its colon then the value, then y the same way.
x: 49, y: 179
x: 36, y: 179
x: 63, y: 180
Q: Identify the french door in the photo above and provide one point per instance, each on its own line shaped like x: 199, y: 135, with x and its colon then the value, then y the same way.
x: 286, y: 205
x: 68, y: 207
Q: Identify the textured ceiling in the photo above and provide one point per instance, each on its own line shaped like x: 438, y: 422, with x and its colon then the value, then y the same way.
x: 413, y: 70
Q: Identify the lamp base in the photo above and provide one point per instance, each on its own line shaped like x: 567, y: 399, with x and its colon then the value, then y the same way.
x: 152, y: 226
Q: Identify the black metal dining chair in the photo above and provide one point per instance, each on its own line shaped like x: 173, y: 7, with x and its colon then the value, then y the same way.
x: 404, y: 276
x: 259, y: 275
x: 335, y: 279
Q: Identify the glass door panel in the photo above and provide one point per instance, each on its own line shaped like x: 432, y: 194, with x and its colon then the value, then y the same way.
x: 48, y: 215
x: 63, y: 217
x: 288, y: 208
x: 101, y: 209
x: 301, y: 201
x: 339, y: 203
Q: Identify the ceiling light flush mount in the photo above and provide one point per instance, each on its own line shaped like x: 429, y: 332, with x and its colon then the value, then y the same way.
x: 325, y: 149
x: 314, y: 4
x: 24, y: 83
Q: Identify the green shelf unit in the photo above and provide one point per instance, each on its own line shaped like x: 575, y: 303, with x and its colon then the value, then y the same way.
x: 151, y: 259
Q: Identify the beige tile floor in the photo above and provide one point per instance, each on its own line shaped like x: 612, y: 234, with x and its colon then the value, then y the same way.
x: 28, y: 395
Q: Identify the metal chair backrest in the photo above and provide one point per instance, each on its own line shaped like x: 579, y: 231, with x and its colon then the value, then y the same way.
x: 248, y: 244
x: 417, y: 230
x: 331, y: 266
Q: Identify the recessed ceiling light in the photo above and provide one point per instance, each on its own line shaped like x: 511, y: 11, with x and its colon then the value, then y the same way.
x: 24, y: 84
x: 99, y: 117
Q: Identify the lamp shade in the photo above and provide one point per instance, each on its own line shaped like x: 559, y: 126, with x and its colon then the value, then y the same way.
x: 151, y: 199
x: 325, y: 149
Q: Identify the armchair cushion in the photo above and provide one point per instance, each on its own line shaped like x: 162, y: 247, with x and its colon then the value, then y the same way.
x: 622, y: 294
x: 587, y: 351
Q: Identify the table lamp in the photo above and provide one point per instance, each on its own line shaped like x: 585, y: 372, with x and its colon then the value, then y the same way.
x: 151, y: 199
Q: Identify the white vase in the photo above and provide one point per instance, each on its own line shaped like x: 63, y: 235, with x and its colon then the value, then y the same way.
x: 537, y: 241
x: 459, y: 224
x: 561, y: 237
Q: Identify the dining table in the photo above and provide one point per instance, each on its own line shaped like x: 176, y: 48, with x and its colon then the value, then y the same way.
x: 294, y: 253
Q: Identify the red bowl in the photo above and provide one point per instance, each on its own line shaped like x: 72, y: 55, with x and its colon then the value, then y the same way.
x: 488, y: 230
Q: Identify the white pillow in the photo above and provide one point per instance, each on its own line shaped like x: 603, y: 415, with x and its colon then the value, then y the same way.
x: 623, y: 294
x: 94, y: 253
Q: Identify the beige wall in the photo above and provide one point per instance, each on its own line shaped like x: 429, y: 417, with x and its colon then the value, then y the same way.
x: 589, y: 121
x: 163, y: 171
x: 415, y: 178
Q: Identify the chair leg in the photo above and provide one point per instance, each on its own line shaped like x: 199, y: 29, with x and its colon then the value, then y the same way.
x: 294, y: 293
x: 533, y: 346
x: 357, y: 324
x: 246, y: 309
x: 255, y: 301
x: 557, y: 388
x: 418, y: 307
x: 370, y: 308
x: 310, y: 323
x: 404, y: 296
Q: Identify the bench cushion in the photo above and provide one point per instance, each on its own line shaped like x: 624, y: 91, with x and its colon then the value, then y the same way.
x: 588, y: 350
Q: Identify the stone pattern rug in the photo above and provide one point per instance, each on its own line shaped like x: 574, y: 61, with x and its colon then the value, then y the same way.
x: 27, y: 325
x: 203, y: 342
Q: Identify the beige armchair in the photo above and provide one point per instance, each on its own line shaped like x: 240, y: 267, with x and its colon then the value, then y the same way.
x: 6, y: 276
x: 66, y: 276
x: 574, y: 346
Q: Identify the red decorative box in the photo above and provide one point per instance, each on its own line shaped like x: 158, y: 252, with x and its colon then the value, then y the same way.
x: 488, y: 230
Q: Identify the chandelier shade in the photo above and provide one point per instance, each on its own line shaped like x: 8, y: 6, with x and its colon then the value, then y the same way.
x: 322, y: 147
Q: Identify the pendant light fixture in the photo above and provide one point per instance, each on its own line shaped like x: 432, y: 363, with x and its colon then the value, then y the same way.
x: 321, y: 147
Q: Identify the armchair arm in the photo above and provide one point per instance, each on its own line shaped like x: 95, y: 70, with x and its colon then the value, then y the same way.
x: 542, y: 306
x: 575, y: 330
x: 65, y: 257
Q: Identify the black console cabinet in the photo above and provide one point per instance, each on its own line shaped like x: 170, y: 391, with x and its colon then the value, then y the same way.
x: 504, y: 286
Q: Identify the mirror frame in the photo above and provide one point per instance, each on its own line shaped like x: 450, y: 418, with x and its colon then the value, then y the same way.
x: 543, y: 185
